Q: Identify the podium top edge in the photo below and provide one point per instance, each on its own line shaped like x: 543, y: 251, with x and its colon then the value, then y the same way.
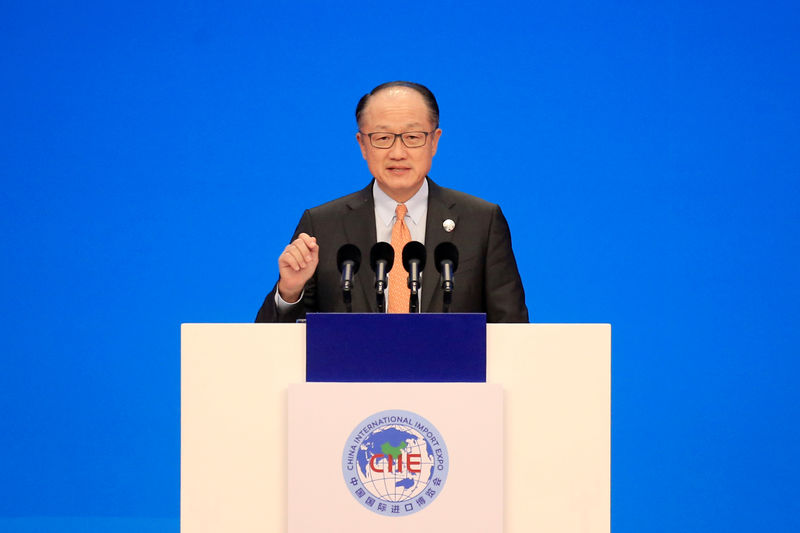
x: 608, y: 324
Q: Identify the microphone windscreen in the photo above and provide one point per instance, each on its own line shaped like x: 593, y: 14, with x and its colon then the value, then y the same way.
x: 445, y: 251
x: 348, y: 252
x: 381, y: 251
x: 414, y: 251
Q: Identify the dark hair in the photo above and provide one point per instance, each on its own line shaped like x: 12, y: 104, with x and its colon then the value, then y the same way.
x: 427, y: 96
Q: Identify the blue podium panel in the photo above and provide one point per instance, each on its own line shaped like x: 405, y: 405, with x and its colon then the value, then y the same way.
x: 352, y: 347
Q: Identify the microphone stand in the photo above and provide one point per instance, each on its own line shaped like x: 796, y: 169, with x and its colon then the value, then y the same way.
x: 380, y: 286
x: 413, y: 284
x: 347, y: 286
x: 447, y: 285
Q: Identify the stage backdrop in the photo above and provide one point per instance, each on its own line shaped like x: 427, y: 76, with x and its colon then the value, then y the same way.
x: 156, y: 156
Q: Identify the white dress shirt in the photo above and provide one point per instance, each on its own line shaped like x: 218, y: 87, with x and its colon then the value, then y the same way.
x: 385, y: 215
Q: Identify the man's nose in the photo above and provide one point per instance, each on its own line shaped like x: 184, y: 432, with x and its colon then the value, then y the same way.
x: 398, y: 149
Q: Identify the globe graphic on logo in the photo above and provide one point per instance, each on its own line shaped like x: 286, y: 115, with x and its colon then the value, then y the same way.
x: 395, y: 463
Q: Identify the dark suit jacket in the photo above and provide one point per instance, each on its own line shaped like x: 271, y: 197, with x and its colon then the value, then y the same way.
x: 486, y: 281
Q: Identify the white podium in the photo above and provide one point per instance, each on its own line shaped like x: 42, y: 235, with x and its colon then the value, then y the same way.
x: 556, y: 381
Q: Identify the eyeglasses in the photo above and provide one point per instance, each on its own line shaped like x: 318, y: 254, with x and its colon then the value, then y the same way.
x: 385, y: 139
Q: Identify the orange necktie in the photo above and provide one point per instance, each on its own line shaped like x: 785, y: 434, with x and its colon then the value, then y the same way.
x: 399, y: 293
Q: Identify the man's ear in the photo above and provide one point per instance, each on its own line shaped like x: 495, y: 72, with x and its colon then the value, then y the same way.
x: 360, y: 140
x: 435, y: 140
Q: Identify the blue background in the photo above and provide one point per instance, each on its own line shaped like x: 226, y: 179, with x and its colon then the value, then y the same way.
x: 155, y: 158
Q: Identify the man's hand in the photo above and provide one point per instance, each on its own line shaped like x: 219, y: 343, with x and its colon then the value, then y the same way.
x: 296, y: 265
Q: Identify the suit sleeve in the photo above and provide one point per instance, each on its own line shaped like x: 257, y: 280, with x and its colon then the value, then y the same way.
x: 269, y: 311
x: 505, y: 296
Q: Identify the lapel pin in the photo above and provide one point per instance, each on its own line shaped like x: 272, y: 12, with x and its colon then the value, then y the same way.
x: 448, y: 225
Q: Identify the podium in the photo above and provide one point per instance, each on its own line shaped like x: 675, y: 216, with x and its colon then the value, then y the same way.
x: 555, y: 383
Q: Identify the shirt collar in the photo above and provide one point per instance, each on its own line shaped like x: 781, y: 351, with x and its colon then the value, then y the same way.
x: 385, y: 205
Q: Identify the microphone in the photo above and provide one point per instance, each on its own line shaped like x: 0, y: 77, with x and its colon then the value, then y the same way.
x: 445, y: 257
x: 381, y: 259
x: 414, y: 263
x: 348, y: 259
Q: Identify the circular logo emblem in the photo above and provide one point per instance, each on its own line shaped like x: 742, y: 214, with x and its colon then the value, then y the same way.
x: 395, y: 463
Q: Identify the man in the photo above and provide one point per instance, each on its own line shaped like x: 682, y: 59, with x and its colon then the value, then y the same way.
x: 398, y: 133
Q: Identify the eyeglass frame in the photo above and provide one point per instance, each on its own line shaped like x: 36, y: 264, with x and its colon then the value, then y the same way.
x: 396, y: 135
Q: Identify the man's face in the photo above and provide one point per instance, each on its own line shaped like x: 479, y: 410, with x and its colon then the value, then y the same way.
x: 399, y: 170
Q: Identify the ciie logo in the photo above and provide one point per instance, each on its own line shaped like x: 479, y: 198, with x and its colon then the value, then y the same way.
x: 395, y: 463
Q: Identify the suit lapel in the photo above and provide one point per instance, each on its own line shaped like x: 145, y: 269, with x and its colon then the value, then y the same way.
x: 440, y: 209
x: 359, y: 228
